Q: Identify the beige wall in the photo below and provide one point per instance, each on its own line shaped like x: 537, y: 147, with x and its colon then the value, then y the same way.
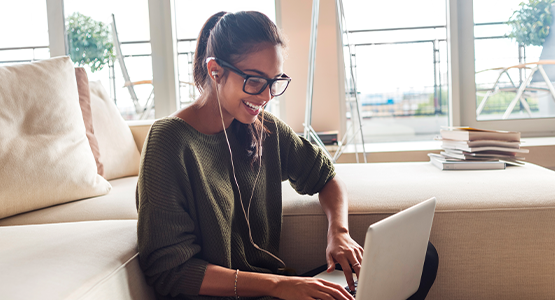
x: 296, y: 23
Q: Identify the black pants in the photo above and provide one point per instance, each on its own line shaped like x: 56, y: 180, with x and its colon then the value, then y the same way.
x: 429, y: 273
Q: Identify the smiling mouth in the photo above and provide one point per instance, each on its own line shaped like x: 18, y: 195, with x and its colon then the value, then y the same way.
x: 251, y: 105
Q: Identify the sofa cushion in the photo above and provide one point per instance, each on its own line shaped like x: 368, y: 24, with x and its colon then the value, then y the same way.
x: 45, y: 156
x: 140, y: 130
x: 84, y: 260
x: 119, y: 204
x: 390, y: 187
x: 85, y: 103
x: 118, y: 150
x: 493, y: 229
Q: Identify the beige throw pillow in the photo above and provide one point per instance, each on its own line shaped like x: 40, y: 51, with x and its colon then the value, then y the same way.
x: 45, y: 157
x: 118, y: 150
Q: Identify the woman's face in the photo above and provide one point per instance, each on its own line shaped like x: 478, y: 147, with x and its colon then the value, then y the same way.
x: 268, y: 63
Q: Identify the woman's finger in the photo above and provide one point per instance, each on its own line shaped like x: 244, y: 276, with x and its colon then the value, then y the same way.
x: 359, y: 252
x: 359, y: 255
x: 355, y: 260
x: 357, y: 267
x: 346, y: 266
x: 331, y: 263
x: 338, y: 291
x: 323, y: 296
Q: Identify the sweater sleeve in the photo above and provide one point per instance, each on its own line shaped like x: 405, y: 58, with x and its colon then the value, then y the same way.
x: 168, y: 245
x: 306, y: 166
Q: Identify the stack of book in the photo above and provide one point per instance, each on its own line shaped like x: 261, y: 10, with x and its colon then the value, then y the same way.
x: 466, y: 148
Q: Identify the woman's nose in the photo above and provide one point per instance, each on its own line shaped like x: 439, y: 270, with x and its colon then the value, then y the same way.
x: 266, y: 95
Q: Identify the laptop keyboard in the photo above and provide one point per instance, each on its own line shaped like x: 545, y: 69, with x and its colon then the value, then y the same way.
x: 354, y: 293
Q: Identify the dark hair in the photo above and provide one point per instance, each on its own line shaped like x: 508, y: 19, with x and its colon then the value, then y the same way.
x: 231, y: 37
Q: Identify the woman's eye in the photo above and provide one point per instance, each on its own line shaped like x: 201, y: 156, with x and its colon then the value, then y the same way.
x: 255, y: 82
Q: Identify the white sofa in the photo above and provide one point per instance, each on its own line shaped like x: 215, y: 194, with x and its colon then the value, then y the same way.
x: 494, y: 231
x: 85, y: 249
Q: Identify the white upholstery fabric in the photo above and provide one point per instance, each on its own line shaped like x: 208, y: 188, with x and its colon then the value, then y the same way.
x: 493, y: 229
x: 390, y: 187
x: 84, y: 260
x: 45, y: 156
x: 119, y: 204
x: 118, y: 151
x: 140, y: 131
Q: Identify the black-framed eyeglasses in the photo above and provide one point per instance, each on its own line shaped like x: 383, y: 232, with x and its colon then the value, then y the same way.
x: 254, y: 85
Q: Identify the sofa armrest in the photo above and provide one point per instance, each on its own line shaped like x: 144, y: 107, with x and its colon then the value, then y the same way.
x: 140, y: 129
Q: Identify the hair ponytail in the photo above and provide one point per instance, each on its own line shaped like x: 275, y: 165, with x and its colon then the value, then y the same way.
x: 200, y: 71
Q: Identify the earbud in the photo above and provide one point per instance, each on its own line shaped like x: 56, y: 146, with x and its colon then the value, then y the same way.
x: 214, y: 73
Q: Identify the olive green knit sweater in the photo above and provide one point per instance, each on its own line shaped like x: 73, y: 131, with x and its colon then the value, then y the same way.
x: 189, y: 209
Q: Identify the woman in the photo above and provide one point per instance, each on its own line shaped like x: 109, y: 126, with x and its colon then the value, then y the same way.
x: 209, y: 190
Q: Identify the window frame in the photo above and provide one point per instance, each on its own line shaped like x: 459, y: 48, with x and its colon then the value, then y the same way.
x: 460, y: 43
x: 163, y: 46
x: 56, y: 28
x: 460, y: 23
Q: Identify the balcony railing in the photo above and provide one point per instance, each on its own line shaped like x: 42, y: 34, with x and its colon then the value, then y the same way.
x: 438, y: 89
x: 413, y: 104
x: 189, y: 56
x: 33, y: 56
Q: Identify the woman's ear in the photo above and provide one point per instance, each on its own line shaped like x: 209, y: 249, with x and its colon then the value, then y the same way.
x: 214, y: 70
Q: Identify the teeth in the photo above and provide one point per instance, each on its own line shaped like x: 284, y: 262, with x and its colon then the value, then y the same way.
x: 254, y: 107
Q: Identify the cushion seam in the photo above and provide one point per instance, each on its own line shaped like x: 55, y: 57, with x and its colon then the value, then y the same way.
x: 107, y: 277
x: 437, y: 211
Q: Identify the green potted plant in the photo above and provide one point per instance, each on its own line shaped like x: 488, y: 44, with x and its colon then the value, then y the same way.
x: 89, y: 42
x: 531, y: 24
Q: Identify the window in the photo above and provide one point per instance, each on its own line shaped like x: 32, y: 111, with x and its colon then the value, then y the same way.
x: 479, y: 44
x: 132, y: 24
x: 503, y: 65
x: 400, y: 61
x: 408, y: 58
x: 24, y: 31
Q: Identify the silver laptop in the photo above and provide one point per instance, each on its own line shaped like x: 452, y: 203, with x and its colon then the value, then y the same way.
x: 394, y: 253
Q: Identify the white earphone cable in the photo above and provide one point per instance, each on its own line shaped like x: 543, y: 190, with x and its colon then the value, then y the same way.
x: 246, y: 213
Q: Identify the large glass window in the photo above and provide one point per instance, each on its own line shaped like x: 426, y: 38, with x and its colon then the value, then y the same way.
x: 93, y: 20
x: 190, y: 17
x: 24, y: 27
x: 514, y: 59
x: 400, y: 61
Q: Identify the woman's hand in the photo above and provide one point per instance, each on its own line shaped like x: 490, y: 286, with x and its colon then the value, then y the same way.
x: 341, y: 248
x: 223, y: 282
x: 309, y: 288
x: 344, y: 250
